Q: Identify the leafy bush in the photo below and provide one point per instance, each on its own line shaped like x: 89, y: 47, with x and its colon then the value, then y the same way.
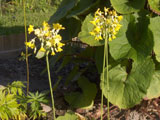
x: 14, y: 103
x: 133, y: 55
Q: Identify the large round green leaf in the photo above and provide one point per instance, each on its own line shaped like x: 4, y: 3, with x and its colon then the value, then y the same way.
x: 82, y: 100
x: 155, y: 6
x: 153, y: 90
x: 127, y: 6
x: 63, y: 9
x: 134, y: 40
x: 82, y: 7
x: 68, y: 116
x: 155, y: 28
x: 128, y: 89
x: 84, y: 34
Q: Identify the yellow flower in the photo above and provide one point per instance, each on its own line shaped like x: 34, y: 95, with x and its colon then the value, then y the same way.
x: 97, y: 29
x: 106, y: 10
x: 30, y: 44
x: 42, y: 49
x: 93, y: 22
x: 45, y: 26
x: 30, y: 29
x: 118, y: 27
x: 113, y: 37
x: 92, y: 33
x: 98, y: 38
x: 53, y: 53
x: 59, y: 49
x: 120, y: 18
x: 47, y: 34
x: 61, y: 44
x: 105, y: 23
x: 57, y: 39
x: 58, y: 26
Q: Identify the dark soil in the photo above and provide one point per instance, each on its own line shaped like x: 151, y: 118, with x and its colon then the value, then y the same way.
x: 13, y: 70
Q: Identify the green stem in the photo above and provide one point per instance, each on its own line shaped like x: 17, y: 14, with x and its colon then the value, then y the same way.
x: 102, y: 94
x: 106, y: 49
x: 25, y: 27
x: 50, y: 84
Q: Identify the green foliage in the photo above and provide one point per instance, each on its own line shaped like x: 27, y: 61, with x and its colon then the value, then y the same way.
x: 134, y: 39
x: 8, y: 106
x: 82, y: 7
x: 128, y: 89
x: 35, y: 107
x: 127, y: 6
x: 132, y: 75
x: 155, y: 28
x: 153, y: 90
x: 13, y: 102
x: 68, y: 116
x: 154, y: 5
x: 63, y: 9
x: 82, y: 100
x: 11, y: 19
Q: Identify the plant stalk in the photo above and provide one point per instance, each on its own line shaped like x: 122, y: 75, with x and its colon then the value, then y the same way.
x: 25, y: 27
x: 106, y: 49
x: 50, y: 84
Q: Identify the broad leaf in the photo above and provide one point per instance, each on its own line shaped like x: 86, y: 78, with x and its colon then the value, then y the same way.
x: 72, y: 28
x: 84, y: 34
x: 128, y: 89
x: 154, y: 6
x: 82, y: 100
x: 155, y: 28
x: 82, y: 7
x: 127, y: 6
x: 68, y: 116
x: 153, y: 90
x: 63, y: 9
x: 134, y: 40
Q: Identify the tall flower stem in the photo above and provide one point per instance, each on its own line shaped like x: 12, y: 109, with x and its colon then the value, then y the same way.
x: 106, y: 54
x: 50, y: 84
x: 25, y: 27
x: 102, y: 85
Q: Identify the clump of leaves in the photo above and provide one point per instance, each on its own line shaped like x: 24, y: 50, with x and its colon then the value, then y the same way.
x: 13, y: 103
x: 35, y: 101
x: 8, y: 106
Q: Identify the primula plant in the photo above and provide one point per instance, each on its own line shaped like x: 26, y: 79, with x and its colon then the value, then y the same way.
x: 106, y: 25
x: 132, y: 43
x: 50, y: 43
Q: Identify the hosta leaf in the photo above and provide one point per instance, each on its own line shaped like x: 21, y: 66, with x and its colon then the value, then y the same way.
x: 155, y: 28
x: 84, y: 34
x: 82, y: 7
x: 155, y: 6
x: 134, y: 40
x: 63, y: 9
x: 72, y: 28
x: 68, y: 116
x: 153, y: 90
x: 82, y: 100
x: 128, y: 89
x: 127, y: 6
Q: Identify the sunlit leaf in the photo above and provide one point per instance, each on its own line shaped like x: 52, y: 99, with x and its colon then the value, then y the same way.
x: 128, y: 89
x: 127, y: 6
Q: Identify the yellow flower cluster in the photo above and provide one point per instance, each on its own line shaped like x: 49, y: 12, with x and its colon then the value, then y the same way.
x: 49, y: 38
x: 106, y: 23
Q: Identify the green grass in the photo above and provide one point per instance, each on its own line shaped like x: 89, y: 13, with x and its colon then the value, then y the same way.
x: 11, y: 20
